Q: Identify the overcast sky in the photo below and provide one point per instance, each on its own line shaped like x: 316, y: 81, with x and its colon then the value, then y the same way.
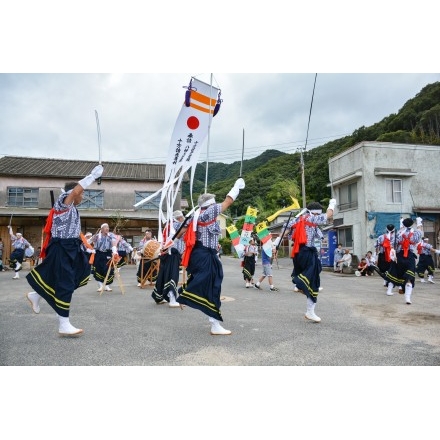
x: 53, y: 115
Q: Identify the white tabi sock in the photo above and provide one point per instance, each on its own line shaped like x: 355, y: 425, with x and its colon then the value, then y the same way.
x: 390, y: 288
x: 66, y: 328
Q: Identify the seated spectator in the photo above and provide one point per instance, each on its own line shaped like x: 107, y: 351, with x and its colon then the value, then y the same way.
x: 345, y: 261
x: 371, y: 262
x: 363, y: 267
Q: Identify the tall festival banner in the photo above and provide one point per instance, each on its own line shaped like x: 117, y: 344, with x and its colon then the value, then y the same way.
x: 235, y: 238
x: 248, y: 225
x: 265, y: 237
x: 201, y: 103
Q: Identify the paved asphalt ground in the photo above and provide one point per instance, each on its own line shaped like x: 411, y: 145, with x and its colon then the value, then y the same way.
x: 361, y: 326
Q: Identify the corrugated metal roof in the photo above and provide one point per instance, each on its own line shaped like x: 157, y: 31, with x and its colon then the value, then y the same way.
x: 76, y: 169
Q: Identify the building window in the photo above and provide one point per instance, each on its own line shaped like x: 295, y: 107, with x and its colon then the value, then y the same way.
x: 23, y: 197
x: 92, y: 199
x: 394, y: 190
x: 345, y: 237
x: 151, y: 204
x: 348, y: 197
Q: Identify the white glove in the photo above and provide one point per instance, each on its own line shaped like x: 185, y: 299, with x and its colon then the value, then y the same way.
x: 95, y: 174
x: 437, y: 252
x: 91, y: 251
x: 235, y: 190
x: 114, y: 250
x: 239, y: 183
x: 419, y: 221
x: 97, y: 171
x: 393, y: 255
x: 332, y: 204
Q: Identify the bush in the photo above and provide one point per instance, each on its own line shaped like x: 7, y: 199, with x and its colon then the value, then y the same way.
x: 226, y: 244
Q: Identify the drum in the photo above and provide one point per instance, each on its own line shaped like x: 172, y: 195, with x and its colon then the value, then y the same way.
x: 151, y: 250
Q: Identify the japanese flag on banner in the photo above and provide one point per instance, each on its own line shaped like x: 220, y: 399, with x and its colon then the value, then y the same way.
x: 265, y: 236
x: 248, y: 225
x: 201, y: 103
x: 235, y: 238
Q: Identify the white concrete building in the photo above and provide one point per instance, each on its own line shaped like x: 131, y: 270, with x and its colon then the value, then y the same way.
x: 377, y: 183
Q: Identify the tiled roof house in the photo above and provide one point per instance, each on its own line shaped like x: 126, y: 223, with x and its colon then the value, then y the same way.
x: 28, y: 185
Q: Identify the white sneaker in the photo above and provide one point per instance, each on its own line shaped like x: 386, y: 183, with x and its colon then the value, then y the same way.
x: 248, y: 285
x: 312, y: 317
x: 408, y: 299
x: 17, y: 266
x: 423, y: 280
x: 16, y: 276
x: 431, y: 280
x: 108, y: 289
x: 138, y: 284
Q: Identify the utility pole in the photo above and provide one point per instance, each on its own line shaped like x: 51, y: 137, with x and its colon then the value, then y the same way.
x: 302, y: 150
x: 303, y: 178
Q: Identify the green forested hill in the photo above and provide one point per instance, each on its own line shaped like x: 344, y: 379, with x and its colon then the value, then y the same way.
x: 273, y: 177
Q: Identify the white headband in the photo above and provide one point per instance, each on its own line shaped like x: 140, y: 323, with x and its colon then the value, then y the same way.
x: 316, y: 211
x: 208, y: 203
x: 104, y: 224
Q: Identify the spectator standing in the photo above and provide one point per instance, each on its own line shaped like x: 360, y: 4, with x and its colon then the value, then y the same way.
x: 337, y: 255
x: 266, y: 266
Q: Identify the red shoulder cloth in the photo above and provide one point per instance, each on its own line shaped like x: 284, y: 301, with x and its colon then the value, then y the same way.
x: 47, y: 230
x: 299, y: 235
x: 190, y: 240
x: 386, y: 249
x: 405, y: 244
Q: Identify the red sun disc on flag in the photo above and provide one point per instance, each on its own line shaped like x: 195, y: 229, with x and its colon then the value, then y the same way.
x: 192, y: 122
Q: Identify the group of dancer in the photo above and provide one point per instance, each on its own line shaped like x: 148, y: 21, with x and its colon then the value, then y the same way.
x: 404, y: 254
x: 66, y: 257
